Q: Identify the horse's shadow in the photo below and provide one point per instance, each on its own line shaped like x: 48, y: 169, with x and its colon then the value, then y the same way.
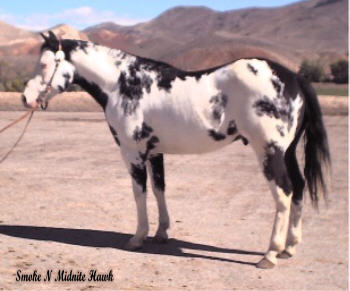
x: 107, y: 239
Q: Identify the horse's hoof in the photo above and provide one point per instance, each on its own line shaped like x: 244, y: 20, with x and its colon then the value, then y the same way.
x: 265, y: 264
x: 284, y: 255
x: 130, y: 246
x: 160, y: 240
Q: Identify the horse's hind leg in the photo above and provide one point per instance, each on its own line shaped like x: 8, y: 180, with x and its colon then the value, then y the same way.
x: 298, y: 182
x: 275, y: 171
x: 155, y: 167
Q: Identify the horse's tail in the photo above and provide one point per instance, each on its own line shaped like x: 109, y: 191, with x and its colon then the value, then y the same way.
x: 317, y: 156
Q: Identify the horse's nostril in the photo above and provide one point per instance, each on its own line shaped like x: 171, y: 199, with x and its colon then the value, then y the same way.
x: 24, y: 99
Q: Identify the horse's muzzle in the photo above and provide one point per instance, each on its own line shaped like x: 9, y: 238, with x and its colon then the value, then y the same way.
x: 26, y: 104
x: 24, y: 101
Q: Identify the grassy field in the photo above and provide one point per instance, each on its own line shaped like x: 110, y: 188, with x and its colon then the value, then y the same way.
x: 331, y: 89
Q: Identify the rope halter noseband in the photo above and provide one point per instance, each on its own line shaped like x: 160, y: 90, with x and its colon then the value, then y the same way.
x: 59, y: 57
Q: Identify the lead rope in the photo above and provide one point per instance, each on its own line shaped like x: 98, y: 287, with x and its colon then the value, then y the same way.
x: 42, y: 102
x: 30, y: 113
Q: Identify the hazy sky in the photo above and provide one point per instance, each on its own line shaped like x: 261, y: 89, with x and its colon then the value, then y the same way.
x: 39, y: 14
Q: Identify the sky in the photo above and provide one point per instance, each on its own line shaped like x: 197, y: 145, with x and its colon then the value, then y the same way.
x: 39, y: 14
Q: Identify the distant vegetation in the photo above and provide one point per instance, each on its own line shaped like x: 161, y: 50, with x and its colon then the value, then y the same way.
x: 315, y: 72
x: 312, y: 70
x: 11, y: 80
x: 340, y: 72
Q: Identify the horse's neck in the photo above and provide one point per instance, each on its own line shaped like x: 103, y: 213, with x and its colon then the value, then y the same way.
x: 97, y: 70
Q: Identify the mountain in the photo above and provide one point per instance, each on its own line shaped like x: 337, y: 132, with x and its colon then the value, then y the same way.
x: 10, y: 34
x: 197, y: 37
x: 68, y: 32
x: 16, y: 41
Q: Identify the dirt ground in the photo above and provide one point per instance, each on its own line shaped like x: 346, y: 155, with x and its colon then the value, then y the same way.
x: 66, y: 204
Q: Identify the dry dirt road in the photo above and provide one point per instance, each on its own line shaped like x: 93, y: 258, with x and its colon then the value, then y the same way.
x: 66, y: 204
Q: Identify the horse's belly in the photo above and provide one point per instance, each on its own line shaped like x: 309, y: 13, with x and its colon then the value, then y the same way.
x: 188, y: 140
x: 189, y: 147
x: 183, y: 129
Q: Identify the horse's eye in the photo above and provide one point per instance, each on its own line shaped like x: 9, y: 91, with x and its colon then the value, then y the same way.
x: 43, y: 66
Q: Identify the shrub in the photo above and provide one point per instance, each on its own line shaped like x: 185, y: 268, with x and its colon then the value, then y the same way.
x: 340, y: 71
x: 12, y: 78
x: 312, y: 71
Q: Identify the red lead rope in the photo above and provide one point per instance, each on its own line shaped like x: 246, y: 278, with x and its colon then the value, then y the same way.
x: 30, y: 113
x: 43, y: 104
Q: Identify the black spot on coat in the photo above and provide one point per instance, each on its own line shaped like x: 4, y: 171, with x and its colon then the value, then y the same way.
x: 252, y: 69
x: 115, y: 135
x: 242, y: 138
x: 143, y: 132
x: 67, y: 78
x: 139, y: 174
x: 150, y: 145
x: 157, y: 165
x: 277, y: 85
x: 131, y: 86
x: 217, y: 136
x: 232, y: 128
x: 166, y: 74
x: 275, y: 167
x: 288, y: 78
x: 93, y: 89
x: 280, y: 130
x: 219, y: 102
x: 278, y: 108
x: 265, y: 106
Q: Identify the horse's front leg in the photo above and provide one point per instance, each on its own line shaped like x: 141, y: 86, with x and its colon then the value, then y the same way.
x: 137, y: 169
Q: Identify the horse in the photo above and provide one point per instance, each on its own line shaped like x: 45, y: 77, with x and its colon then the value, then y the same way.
x: 153, y: 108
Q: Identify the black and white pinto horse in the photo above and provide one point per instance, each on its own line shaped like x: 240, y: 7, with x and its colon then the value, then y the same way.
x: 153, y: 109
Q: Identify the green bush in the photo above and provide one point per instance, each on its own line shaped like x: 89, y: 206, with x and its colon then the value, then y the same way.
x: 340, y: 71
x: 312, y: 71
x: 12, y: 78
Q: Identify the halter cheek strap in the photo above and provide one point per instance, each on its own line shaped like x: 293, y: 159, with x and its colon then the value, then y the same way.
x: 59, y: 57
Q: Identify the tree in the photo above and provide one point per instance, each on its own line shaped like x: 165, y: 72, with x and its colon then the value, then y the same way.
x: 312, y: 71
x: 340, y: 71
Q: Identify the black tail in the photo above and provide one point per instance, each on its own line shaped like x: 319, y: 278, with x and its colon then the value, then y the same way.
x: 317, y: 156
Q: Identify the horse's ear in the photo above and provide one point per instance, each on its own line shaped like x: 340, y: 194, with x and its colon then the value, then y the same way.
x: 51, y: 41
x: 44, y: 36
x: 52, y: 36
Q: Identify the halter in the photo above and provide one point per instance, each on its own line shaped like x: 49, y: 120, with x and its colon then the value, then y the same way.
x: 42, y: 99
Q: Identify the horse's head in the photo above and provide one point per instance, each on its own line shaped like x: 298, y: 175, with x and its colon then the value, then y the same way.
x: 53, y: 76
